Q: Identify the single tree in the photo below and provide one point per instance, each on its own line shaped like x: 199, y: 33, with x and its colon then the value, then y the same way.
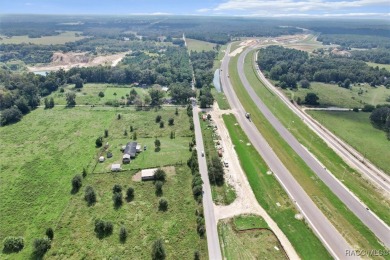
x: 304, y: 83
x: 71, y: 99
x: 99, y: 142
x: 119, y: 116
x: 158, y: 250
x: 160, y: 175
x: 171, y: 121
x: 123, y: 234
x: 51, y: 102
x: 312, y: 99
x: 117, y: 198
x: 130, y: 194
x: 117, y: 188
x: 131, y: 128
x: 158, y: 118
x: 50, y: 233
x: 101, y: 94
x: 105, y: 133
x: 162, y: 204
x: 135, y: 136
x: 76, y: 183
x: 159, y: 185
x: 177, y: 111
x: 157, y: 144
x: 41, y: 246
x: 161, y: 124
x: 13, y: 244
x: 196, y: 255
x: 90, y: 195
x: 125, y: 133
x: 84, y: 172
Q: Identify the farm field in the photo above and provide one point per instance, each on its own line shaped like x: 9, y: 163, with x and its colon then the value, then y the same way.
x: 247, y: 237
x: 335, y: 96
x: 268, y: 193
x: 356, y: 130
x: 63, y: 37
x: 340, y: 216
x: 197, y: 45
x: 35, y: 185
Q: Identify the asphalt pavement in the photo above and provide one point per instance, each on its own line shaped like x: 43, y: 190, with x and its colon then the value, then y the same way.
x: 321, y: 226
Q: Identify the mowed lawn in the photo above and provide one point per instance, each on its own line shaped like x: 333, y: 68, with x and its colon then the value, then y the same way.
x: 43, y: 152
x: 61, y: 38
x: 356, y: 130
x: 197, y: 45
x: 248, y: 237
x: 333, y: 95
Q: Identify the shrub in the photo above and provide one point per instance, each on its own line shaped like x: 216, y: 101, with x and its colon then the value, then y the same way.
x: 84, y: 173
x: 101, y: 94
x: 13, y: 244
x: 99, y: 142
x: 117, y: 188
x: 105, y: 133
x: 160, y: 174
x: 41, y: 246
x: 131, y: 128
x: 119, y: 116
x: 355, y: 109
x: 50, y: 233
x: 158, y: 251
x: 123, y: 234
x: 196, y: 255
x: 158, y: 185
x: 103, y: 228
x: 177, y: 111
x: 162, y: 204
x: 117, y: 198
x: 161, y: 124
x: 90, y: 195
x: 130, y: 194
x: 76, y: 183
x: 10, y: 115
x: 171, y: 121
x: 158, y: 118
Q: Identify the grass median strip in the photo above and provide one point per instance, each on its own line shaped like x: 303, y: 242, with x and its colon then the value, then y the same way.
x: 352, y: 179
x: 270, y: 194
x: 354, y: 231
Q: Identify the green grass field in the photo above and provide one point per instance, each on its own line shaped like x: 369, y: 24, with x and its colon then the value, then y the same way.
x: 372, y: 64
x: 244, y: 222
x: 224, y: 194
x: 45, y: 40
x: 340, y: 216
x: 268, y: 192
x: 221, y: 99
x: 89, y: 94
x: 238, y: 243
x: 356, y: 129
x: 333, y: 95
x: 197, y: 45
x: 48, y: 147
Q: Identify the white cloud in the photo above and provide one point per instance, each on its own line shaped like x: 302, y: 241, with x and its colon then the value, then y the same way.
x: 297, y: 7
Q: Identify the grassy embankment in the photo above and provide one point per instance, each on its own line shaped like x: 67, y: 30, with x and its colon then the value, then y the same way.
x: 48, y: 147
x: 268, y: 193
x: 197, y: 45
x: 356, y: 129
x: 340, y: 216
x: 352, y: 179
x: 61, y: 38
x: 247, y: 237
x: 224, y: 194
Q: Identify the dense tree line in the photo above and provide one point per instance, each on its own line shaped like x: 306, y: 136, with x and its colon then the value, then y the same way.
x: 381, y: 56
x: 356, y: 40
x: 380, y: 118
x: 290, y: 66
x: 203, y: 63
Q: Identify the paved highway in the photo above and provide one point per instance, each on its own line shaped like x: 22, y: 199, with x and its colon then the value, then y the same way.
x: 349, y: 154
x: 327, y: 233
x: 208, y: 206
x: 377, y: 226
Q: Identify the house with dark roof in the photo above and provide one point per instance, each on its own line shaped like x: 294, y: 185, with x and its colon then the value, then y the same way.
x: 131, y: 149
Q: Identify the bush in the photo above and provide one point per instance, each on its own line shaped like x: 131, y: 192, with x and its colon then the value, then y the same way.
x: 90, y: 195
x: 158, y: 251
x: 160, y: 175
x: 117, y: 188
x: 41, y: 246
x: 130, y: 194
x: 50, y: 233
x: 99, y: 142
x: 105, y: 133
x: 161, y: 124
x: 101, y: 94
x: 76, y: 183
x: 103, y: 228
x: 197, y: 191
x: 162, y: 204
x: 10, y: 115
x: 123, y: 234
x: 196, y: 255
x: 117, y: 198
x: 158, y: 118
x: 159, y: 185
x: 368, y: 108
x: 171, y: 121
x: 13, y: 244
x: 355, y: 109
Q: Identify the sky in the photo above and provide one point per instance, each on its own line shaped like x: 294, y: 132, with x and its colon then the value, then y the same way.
x: 250, y: 8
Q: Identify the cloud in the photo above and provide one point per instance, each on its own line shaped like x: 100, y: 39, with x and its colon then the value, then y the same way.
x: 299, y: 7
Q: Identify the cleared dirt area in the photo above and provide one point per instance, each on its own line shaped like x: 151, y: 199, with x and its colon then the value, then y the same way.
x: 69, y: 60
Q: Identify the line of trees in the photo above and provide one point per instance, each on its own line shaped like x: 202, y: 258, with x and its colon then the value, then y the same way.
x: 380, y: 118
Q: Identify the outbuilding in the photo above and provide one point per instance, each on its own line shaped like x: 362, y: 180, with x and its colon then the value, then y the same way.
x: 101, y: 159
x: 148, y: 174
x: 116, y: 167
x: 126, y: 158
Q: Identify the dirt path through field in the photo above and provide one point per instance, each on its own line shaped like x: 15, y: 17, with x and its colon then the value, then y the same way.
x: 245, y: 202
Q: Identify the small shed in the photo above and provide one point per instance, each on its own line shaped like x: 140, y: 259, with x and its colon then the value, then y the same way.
x: 101, y: 159
x: 138, y: 148
x: 116, y: 167
x: 126, y: 158
x: 148, y: 174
